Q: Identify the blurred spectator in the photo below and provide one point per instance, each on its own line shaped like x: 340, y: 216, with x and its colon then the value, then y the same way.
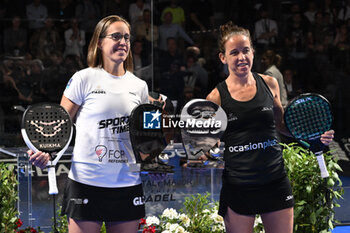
x: 142, y: 66
x: 177, y: 12
x: 329, y: 29
x: 15, y: 38
x: 18, y: 72
x: 320, y: 36
x: 320, y: 39
x: 166, y: 58
x: 142, y: 62
x: 71, y: 63
x: 196, y: 76
x: 143, y: 31
x: 201, y: 15
x: 75, y: 40
x: 172, y: 82
x: 36, y: 14
x: 8, y: 89
x: 295, y: 9
x: 55, y: 78
x: 63, y: 12
x: 344, y: 11
x: 35, y: 78
x: 265, y: 30
x: 88, y: 14
x: 193, y: 51
x: 201, y: 26
x: 270, y: 62
x: 9, y: 97
x: 328, y: 7
x: 168, y: 29
x: 292, y: 86
x: 295, y: 43
x: 188, y: 93
x: 311, y: 11
x: 139, y: 57
x: 46, y: 41
x: 115, y: 7
x: 136, y: 11
x: 342, y: 44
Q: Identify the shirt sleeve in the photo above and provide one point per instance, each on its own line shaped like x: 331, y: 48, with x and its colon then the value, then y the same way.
x: 75, y: 90
x: 144, y: 95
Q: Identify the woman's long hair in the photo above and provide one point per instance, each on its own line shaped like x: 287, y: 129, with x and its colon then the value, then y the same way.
x: 94, y: 57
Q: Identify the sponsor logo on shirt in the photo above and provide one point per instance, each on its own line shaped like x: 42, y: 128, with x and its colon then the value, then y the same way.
x: 112, y: 156
x: 139, y: 201
x: 252, y: 146
x: 69, y: 82
x: 100, y: 151
x: 116, y: 125
x: 231, y: 117
x: 266, y: 109
x: 98, y: 91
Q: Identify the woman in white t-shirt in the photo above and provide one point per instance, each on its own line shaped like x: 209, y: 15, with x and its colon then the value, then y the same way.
x: 101, y: 187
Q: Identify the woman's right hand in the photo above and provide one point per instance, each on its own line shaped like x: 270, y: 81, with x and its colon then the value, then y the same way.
x: 39, y: 159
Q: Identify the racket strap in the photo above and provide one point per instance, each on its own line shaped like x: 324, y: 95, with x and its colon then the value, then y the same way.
x: 316, y: 145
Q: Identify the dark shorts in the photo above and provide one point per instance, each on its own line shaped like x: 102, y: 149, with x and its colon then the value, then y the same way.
x: 90, y: 203
x: 274, y: 196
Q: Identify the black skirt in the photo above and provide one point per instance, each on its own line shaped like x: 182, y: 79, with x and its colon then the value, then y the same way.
x: 274, y: 196
x: 91, y: 203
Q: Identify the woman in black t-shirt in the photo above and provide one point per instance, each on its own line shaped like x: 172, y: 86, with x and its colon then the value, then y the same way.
x: 254, y: 178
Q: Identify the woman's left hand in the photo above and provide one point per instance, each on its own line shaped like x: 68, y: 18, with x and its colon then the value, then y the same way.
x: 327, y: 137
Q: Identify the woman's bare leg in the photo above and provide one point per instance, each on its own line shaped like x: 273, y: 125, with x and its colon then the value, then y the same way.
x: 122, y: 227
x: 278, y: 221
x: 76, y: 226
x: 237, y: 223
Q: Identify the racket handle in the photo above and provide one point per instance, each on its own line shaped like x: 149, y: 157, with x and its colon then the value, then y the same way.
x: 52, y: 180
x: 322, y: 165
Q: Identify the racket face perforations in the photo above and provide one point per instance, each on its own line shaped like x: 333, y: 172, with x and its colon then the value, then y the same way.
x: 47, y: 126
x: 308, y: 116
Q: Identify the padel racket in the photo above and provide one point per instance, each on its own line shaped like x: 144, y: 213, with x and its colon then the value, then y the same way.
x: 47, y: 127
x: 147, y: 137
x: 306, y: 117
x: 204, y: 122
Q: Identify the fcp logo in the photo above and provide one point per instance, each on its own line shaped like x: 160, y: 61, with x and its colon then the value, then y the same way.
x: 151, y: 120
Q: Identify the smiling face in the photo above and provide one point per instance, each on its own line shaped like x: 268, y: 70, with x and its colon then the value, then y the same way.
x: 112, y: 50
x: 238, y: 55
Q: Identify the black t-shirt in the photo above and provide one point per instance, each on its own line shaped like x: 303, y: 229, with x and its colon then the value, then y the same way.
x: 252, y: 154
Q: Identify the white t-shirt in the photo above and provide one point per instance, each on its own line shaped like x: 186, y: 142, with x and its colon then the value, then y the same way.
x: 102, y: 150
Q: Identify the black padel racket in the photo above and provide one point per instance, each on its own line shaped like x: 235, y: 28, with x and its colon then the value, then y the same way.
x: 147, y: 137
x: 47, y: 127
x: 203, y: 124
x: 306, y: 117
